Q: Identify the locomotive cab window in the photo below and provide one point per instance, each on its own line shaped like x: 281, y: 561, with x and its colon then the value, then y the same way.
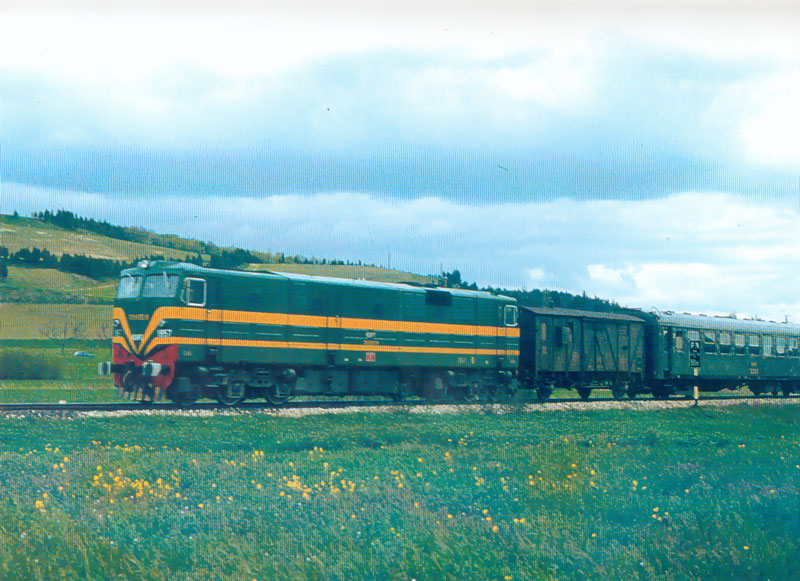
x: 160, y: 285
x: 511, y: 314
x: 129, y: 287
x: 194, y: 292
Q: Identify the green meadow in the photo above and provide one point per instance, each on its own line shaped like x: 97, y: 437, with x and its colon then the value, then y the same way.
x: 681, y: 494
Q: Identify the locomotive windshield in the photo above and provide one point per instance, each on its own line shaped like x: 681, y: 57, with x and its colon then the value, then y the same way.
x: 129, y: 287
x: 160, y: 285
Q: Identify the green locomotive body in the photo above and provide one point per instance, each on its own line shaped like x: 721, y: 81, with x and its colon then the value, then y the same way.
x: 184, y: 332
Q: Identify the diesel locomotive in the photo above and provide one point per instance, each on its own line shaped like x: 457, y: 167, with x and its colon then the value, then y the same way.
x: 183, y: 332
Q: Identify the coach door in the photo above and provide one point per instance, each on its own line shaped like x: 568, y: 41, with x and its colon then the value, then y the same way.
x: 624, y: 347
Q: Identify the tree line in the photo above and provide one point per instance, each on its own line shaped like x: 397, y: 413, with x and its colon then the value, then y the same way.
x: 219, y: 257
x: 536, y: 297
x: 96, y: 268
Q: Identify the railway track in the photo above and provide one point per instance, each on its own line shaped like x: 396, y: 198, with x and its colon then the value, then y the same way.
x: 320, y: 406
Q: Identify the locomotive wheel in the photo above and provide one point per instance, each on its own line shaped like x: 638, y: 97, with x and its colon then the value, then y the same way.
x: 187, y: 398
x: 435, y: 387
x: 584, y: 392
x: 618, y: 391
x: 469, y: 392
x: 231, y: 393
x: 543, y: 393
x: 278, y: 394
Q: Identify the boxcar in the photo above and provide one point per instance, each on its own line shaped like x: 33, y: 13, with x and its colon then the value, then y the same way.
x: 715, y: 353
x: 581, y: 350
x: 184, y: 332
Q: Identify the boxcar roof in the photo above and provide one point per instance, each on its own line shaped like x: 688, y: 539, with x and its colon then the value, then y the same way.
x: 351, y: 282
x: 581, y: 314
x: 726, y: 323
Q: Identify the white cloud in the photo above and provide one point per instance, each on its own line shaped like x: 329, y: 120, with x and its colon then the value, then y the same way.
x: 770, y: 131
x: 712, y: 253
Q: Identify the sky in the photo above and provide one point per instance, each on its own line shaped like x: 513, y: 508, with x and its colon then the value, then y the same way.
x: 644, y: 152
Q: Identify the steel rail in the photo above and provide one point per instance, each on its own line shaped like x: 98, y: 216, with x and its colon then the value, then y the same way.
x: 344, y: 404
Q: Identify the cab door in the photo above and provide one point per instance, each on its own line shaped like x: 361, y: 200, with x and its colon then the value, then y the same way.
x: 508, y: 336
x: 195, y: 295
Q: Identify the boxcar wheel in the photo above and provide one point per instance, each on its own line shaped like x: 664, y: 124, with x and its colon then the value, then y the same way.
x: 231, y: 393
x: 618, y: 391
x: 661, y: 393
x: 756, y: 390
x: 786, y: 390
x: 584, y: 392
x: 543, y: 393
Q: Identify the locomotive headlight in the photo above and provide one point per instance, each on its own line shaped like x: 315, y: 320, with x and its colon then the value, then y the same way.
x: 116, y: 323
x: 162, y: 323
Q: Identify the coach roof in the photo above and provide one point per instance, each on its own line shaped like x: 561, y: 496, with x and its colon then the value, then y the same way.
x: 725, y: 323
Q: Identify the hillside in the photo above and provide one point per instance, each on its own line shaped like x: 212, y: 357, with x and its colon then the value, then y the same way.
x: 47, y: 285
x: 21, y: 232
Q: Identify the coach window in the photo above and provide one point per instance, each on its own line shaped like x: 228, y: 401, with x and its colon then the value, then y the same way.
x: 194, y: 292
x: 709, y: 342
x: 738, y: 342
x: 766, y: 343
x: 792, y: 348
x: 679, y: 340
x: 780, y: 346
x: 724, y: 342
x: 511, y: 316
x: 754, y: 344
x: 543, y: 334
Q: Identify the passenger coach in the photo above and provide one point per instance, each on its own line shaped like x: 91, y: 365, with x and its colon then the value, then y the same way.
x: 715, y: 353
x: 184, y: 332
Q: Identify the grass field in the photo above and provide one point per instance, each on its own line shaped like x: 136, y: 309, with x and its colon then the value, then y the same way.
x: 25, y: 321
x: 47, y: 285
x: 688, y: 494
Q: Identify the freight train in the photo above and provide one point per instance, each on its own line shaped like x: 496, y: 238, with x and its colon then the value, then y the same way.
x: 184, y: 332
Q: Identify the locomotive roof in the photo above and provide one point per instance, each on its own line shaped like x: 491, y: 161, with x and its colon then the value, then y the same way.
x: 581, y: 314
x: 158, y: 266
x: 725, y: 323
